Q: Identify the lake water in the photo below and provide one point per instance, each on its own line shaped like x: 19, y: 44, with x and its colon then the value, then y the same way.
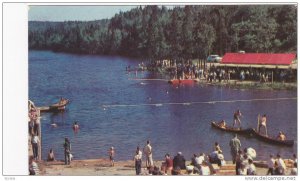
x: 93, y: 81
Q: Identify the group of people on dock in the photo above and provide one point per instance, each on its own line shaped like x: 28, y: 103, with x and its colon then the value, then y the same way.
x: 214, y: 72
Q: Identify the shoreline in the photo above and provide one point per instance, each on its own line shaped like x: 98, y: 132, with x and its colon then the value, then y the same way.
x: 101, y: 167
x: 254, y: 85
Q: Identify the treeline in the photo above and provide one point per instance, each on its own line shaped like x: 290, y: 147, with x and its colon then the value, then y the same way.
x: 189, y: 32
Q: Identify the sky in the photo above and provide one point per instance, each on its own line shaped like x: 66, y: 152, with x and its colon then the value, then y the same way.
x: 74, y: 13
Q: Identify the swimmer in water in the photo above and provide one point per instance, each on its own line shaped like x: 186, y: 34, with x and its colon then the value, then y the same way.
x: 75, y: 126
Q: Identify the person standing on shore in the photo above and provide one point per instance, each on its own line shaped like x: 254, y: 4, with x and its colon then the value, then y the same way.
x: 138, y: 161
x: 148, y: 153
x: 238, y: 161
x: 281, y: 165
x: 111, y: 153
x: 67, y: 151
x: 235, y: 146
x: 271, y: 166
x: 236, y: 118
x: 35, y: 147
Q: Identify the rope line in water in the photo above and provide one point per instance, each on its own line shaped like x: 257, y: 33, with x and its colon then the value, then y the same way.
x: 203, y: 102
x: 150, y: 79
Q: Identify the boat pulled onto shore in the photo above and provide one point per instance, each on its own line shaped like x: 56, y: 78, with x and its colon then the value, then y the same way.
x: 183, y: 81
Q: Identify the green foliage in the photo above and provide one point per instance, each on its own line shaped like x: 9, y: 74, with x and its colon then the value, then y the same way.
x: 180, y: 33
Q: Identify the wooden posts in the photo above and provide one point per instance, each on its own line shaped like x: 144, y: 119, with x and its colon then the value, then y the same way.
x: 272, y: 77
x: 40, y: 143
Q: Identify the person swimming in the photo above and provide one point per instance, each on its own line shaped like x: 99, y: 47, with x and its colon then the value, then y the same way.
x: 75, y: 126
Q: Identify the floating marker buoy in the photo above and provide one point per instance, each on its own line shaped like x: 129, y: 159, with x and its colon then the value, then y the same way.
x: 54, y: 125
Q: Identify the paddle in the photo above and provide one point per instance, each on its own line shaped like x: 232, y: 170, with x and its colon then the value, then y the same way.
x: 266, y: 130
x: 258, y: 117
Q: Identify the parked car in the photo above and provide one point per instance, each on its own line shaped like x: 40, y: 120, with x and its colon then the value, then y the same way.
x: 214, y: 58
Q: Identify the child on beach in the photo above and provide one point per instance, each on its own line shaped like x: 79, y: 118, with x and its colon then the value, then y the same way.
x: 111, y: 153
x: 138, y: 161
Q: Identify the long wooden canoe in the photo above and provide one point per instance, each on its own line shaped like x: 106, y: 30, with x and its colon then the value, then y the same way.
x: 271, y: 140
x: 231, y: 129
x: 60, y: 106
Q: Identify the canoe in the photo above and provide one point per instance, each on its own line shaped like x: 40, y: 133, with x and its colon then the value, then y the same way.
x: 55, y: 107
x: 59, y: 106
x: 231, y: 129
x: 183, y: 81
x: 272, y: 140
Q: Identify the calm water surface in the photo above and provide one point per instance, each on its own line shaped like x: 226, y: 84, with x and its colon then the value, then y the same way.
x: 93, y: 81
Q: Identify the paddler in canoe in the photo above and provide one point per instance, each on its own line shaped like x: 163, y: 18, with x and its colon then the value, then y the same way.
x: 222, y: 124
x: 262, y: 123
x: 281, y: 136
x: 236, y: 118
x: 62, y: 101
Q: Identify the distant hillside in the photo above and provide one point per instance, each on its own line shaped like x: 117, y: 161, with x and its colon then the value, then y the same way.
x: 189, y: 32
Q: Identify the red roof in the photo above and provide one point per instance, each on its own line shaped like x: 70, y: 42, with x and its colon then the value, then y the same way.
x: 259, y: 58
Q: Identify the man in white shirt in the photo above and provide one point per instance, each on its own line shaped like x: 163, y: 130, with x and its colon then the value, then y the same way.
x: 138, y: 161
x: 271, y: 162
x: 148, y: 153
x: 200, y: 159
x: 281, y: 164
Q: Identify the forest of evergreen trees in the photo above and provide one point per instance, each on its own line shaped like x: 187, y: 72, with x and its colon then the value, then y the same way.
x: 184, y: 32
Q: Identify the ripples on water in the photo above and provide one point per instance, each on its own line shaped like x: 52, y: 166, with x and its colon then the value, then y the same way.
x: 93, y: 81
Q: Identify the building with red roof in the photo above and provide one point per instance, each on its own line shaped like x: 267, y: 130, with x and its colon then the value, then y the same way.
x: 258, y: 60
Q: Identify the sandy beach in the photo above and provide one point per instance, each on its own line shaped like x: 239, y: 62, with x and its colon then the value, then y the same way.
x: 94, y: 167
